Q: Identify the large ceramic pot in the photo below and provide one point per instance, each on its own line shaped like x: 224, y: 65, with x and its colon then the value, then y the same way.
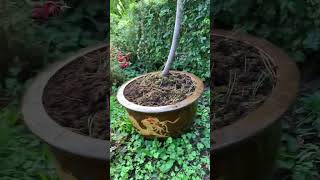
x: 162, y: 121
x: 77, y: 157
x: 247, y: 149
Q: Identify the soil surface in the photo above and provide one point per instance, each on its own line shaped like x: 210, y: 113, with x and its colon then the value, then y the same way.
x: 157, y: 90
x: 77, y: 95
x: 242, y: 78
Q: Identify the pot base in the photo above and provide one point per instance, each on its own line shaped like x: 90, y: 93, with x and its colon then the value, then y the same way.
x: 72, y: 167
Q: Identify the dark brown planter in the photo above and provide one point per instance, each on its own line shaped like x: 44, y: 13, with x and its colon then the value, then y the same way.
x: 77, y: 157
x: 247, y: 149
x: 170, y: 120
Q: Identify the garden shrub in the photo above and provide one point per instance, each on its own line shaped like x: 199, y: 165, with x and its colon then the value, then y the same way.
x: 19, y: 45
x: 146, y: 28
x: 292, y: 25
x: 27, y: 46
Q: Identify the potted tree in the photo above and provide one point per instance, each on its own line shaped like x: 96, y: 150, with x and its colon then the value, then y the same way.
x: 162, y: 104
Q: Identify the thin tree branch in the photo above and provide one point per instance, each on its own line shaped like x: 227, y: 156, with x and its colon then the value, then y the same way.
x: 175, y: 38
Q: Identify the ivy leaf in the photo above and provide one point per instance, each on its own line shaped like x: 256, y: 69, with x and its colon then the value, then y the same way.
x: 292, y: 143
x: 298, y: 56
x: 298, y: 176
x: 167, y: 166
x: 286, y: 163
x: 200, y: 146
x: 312, y: 40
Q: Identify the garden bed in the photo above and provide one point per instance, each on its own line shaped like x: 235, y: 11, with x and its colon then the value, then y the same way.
x: 181, y: 158
x: 243, y: 78
x: 76, y: 97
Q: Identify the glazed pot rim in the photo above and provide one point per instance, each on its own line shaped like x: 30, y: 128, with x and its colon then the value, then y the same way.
x: 160, y: 109
x: 47, y: 129
x: 282, y: 95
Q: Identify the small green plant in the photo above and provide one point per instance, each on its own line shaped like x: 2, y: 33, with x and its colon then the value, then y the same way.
x: 299, y: 155
x: 22, y: 155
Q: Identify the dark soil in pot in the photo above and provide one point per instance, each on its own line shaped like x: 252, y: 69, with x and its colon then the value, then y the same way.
x: 157, y: 90
x: 243, y: 78
x: 76, y: 97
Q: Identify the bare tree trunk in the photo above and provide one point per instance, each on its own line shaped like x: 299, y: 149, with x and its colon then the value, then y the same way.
x: 175, y: 38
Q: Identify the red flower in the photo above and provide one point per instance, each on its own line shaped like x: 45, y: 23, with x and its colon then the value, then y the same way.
x: 122, y: 59
x: 124, y: 65
x: 53, y: 8
x: 126, y: 57
x: 41, y: 13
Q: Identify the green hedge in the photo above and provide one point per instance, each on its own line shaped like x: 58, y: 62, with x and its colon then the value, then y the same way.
x: 27, y: 46
x: 146, y: 29
x: 292, y: 25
